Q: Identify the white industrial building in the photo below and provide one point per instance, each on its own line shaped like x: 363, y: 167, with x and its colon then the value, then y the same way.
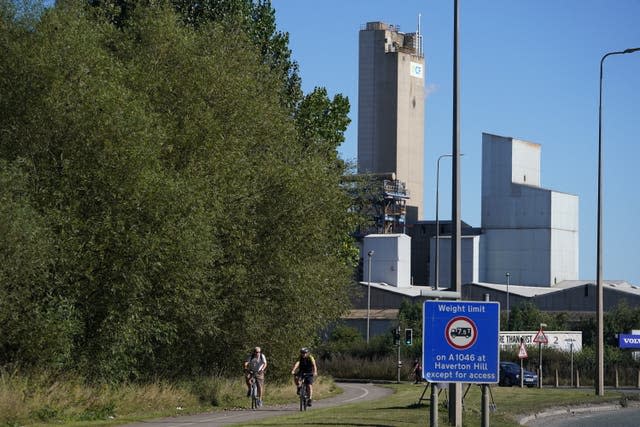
x: 529, y: 231
x: 392, y: 254
x: 469, y: 260
x: 526, y: 230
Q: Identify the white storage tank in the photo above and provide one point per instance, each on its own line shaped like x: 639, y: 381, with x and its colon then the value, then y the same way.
x: 390, y: 260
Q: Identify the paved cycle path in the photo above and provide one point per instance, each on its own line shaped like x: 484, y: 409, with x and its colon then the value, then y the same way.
x: 351, y: 393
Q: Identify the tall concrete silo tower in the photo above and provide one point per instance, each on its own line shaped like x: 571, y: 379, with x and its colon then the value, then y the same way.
x: 391, y: 108
x: 529, y: 231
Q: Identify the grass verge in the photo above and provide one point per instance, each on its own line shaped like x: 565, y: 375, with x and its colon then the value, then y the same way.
x: 402, y: 408
x: 43, y: 399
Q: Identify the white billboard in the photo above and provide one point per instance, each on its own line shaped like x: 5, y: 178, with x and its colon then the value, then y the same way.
x: 561, y: 340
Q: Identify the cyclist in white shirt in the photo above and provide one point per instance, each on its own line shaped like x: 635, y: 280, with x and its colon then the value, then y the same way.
x: 256, y: 362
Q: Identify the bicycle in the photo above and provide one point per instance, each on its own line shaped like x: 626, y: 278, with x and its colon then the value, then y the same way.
x: 303, y: 384
x: 253, y: 390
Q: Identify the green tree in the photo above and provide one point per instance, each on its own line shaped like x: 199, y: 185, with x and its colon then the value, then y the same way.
x: 184, y: 215
x: 621, y: 320
x: 526, y: 316
x: 410, y: 317
x: 36, y: 323
x: 253, y: 18
x: 366, y: 194
x: 321, y: 124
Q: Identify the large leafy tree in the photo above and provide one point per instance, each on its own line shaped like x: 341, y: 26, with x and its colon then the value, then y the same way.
x: 254, y: 18
x: 178, y: 217
x: 36, y: 323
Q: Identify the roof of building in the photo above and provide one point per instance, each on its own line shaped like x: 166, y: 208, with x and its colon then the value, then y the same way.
x: 410, y: 291
x: 531, y: 291
x: 523, y: 291
x: 619, y: 285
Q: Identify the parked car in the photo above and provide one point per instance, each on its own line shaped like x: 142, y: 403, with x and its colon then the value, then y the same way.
x: 510, y: 375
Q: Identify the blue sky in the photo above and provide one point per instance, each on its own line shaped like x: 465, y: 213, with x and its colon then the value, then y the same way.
x: 529, y: 69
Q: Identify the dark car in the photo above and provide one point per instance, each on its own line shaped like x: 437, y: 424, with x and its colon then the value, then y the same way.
x: 510, y: 375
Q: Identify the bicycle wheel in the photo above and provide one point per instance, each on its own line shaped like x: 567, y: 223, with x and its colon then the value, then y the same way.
x: 303, y: 397
x: 254, y: 396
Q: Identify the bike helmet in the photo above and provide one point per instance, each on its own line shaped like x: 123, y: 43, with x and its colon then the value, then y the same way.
x: 304, y: 350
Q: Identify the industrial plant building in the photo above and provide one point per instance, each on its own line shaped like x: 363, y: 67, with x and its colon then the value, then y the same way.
x: 529, y: 231
x: 527, y: 244
x: 391, y: 108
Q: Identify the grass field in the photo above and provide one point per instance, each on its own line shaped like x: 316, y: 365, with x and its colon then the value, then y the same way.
x: 39, y: 402
x: 402, y: 408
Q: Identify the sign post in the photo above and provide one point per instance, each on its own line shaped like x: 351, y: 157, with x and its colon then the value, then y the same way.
x: 522, y: 354
x: 540, y: 338
x: 399, y: 366
x: 571, y: 341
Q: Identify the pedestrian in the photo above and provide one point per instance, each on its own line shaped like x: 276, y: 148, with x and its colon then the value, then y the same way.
x: 417, y: 371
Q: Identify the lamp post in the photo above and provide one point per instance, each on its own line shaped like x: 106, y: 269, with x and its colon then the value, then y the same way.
x: 437, y: 255
x: 508, y: 312
x: 455, y: 389
x: 437, y: 261
x: 369, y: 254
x: 599, y: 297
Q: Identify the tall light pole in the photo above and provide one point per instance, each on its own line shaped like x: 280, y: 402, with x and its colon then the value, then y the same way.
x: 508, y: 312
x: 369, y: 254
x: 599, y: 297
x: 455, y: 389
x: 437, y: 262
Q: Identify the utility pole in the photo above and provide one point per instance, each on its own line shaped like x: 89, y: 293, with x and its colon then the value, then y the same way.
x: 455, y: 389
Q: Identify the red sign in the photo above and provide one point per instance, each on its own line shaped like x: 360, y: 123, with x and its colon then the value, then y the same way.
x: 522, y: 353
x: 461, y: 333
x: 541, y: 338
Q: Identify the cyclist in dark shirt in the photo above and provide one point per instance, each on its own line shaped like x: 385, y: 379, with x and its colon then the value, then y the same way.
x: 305, y: 364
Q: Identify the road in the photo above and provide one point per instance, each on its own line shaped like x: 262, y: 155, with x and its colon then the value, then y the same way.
x: 619, y: 417
x: 352, y: 393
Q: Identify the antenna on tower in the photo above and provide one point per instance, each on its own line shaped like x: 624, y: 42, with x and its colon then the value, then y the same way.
x: 419, y: 36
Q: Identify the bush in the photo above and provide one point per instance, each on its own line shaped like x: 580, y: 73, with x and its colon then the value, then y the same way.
x: 383, y: 368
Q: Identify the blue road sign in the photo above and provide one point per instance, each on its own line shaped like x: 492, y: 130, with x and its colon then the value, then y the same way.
x: 629, y: 341
x: 460, y: 341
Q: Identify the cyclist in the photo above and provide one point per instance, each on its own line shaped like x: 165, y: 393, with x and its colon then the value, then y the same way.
x: 257, y: 363
x: 305, y: 364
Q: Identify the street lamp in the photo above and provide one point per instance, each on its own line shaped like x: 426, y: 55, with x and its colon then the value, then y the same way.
x: 508, y: 276
x: 369, y: 254
x: 599, y: 297
x: 437, y: 262
x: 455, y: 389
